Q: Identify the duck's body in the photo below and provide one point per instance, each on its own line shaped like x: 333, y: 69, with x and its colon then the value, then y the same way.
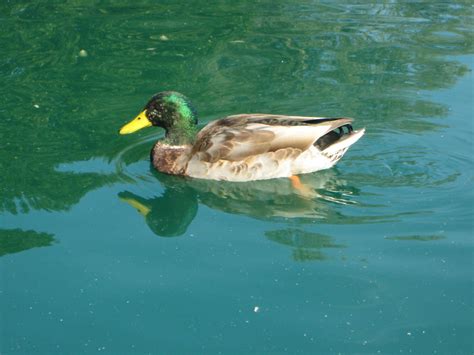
x: 257, y: 146
x: 243, y: 147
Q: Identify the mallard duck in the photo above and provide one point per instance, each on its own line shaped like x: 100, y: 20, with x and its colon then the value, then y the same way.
x: 242, y: 147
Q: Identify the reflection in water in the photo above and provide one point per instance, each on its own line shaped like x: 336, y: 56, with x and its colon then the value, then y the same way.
x: 306, y: 245
x: 324, y: 194
x: 170, y: 214
x: 17, y: 240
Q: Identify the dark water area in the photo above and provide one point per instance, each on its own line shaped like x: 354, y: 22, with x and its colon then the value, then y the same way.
x: 99, y: 253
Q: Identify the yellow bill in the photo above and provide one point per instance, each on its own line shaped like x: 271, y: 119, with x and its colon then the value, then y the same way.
x: 140, y: 207
x: 136, y: 124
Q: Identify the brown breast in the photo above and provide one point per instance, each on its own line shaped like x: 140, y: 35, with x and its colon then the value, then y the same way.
x: 170, y: 159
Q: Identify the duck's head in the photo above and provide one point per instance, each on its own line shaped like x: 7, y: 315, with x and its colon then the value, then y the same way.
x: 169, y: 110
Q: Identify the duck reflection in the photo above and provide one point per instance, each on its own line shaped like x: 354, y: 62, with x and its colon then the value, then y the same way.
x: 170, y: 214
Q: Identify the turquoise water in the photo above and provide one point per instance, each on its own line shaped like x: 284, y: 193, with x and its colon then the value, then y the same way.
x: 380, y: 260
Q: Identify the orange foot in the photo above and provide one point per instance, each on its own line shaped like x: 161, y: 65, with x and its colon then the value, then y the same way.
x: 300, y: 187
x: 296, y: 182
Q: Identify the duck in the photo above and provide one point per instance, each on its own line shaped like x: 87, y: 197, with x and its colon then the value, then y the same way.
x: 241, y: 147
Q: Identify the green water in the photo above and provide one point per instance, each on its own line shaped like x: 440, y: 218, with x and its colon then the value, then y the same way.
x: 379, y: 261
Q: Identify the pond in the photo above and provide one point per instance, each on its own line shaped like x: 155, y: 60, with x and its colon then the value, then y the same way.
x: 100, y: 253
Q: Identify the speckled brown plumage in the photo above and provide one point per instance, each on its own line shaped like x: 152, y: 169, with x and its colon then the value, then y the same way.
x: 234, y: 137
x: 170, y: 159
x: 251, y: 147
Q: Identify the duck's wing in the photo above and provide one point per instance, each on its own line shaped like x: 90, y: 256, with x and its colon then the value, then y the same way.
x: 240, y: 136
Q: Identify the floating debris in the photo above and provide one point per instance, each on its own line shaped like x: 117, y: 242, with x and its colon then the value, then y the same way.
x: 83, y: 53
x: 36, y: 106
x: 164, y: 38
x: 256, y: 309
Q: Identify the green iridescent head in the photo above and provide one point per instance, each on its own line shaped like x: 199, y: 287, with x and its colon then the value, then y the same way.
x: 169, y: 110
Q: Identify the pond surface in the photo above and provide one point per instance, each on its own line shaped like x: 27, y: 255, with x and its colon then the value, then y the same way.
x: 99, y: 253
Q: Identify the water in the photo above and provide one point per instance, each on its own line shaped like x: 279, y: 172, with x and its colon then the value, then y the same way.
x: 101, y: 254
